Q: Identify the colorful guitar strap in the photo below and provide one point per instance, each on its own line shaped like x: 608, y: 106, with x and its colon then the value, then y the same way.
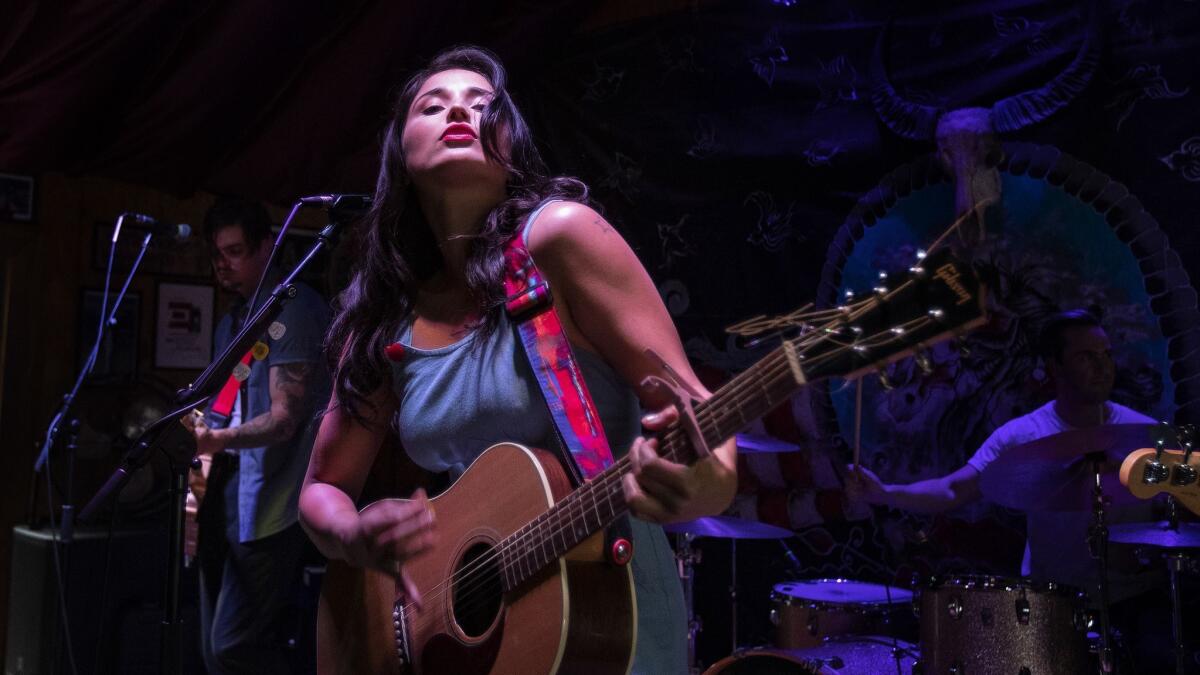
x: 222, y: 407
x: 530, y: 306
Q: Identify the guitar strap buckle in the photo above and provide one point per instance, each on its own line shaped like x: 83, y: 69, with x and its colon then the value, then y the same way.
x: 683, y: 396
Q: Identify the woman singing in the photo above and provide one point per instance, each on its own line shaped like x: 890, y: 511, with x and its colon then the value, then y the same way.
x: 459, y: 177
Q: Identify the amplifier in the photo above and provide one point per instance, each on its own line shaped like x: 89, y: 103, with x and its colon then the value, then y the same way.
x: 124, y: 637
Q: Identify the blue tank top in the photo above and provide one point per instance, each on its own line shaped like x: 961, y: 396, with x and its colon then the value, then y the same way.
x: 458, y: 400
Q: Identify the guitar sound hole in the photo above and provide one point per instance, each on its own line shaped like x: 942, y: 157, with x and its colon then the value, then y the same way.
x: 477, y: 591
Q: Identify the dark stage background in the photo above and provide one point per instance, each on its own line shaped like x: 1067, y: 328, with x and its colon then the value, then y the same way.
x: 736, y: 145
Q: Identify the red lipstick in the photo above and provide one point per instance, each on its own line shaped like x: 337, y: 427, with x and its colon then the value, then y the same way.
x: 458, y: 132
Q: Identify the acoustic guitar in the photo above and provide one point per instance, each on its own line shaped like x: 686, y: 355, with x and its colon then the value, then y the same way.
x: 517, y: 583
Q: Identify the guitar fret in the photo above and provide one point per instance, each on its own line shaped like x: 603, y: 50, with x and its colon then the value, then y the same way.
x: 596, y: 510
x: 506, y: 571
x: 562, y: 535
x: 746, y: 398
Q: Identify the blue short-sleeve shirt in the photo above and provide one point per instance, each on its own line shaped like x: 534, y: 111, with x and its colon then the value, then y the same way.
x: 269, y: 478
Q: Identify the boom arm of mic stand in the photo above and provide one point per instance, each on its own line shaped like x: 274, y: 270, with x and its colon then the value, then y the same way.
x: 175, y: 439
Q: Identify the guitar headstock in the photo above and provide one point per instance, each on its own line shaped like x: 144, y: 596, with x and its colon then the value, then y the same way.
x: 193, y: 419
x: 1150, y: 471
x: 940, y: 297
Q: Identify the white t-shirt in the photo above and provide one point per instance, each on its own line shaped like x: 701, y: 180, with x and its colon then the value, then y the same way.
x: 1056, y: 543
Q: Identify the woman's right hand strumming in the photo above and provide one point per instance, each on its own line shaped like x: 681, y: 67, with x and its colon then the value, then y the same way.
x: 385, y: 535
x: 391, y: 533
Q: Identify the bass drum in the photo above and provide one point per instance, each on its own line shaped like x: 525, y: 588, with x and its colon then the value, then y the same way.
x: 844, y: 655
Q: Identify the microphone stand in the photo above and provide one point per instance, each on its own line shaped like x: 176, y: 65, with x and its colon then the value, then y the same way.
x: 64, y: 534
x: 178, y: 444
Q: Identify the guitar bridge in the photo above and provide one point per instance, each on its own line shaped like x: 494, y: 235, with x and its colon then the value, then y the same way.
x: 400, y: 634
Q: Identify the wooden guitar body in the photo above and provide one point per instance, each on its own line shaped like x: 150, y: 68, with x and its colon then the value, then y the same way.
x: 577, y: 615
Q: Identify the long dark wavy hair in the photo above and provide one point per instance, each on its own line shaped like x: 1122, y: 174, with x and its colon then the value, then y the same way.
x: 398, y: 251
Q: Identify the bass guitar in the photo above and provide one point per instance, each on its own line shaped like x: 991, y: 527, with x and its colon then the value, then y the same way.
x: 1147, y: 472
x: 517, y: 582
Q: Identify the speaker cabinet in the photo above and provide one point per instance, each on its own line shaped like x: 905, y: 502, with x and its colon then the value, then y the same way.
x: 122, y: 636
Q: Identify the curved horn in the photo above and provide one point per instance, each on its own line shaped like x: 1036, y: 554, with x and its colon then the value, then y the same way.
x: 1033, y: 106
x: 913, y: 121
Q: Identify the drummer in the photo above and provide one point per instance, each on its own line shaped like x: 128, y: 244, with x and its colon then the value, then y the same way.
x: 1078, y: 355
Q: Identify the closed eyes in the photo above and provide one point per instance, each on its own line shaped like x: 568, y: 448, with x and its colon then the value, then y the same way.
x: 435, y: 109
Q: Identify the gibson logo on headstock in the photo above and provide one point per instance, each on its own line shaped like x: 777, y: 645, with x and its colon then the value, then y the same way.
x: 950, y: 275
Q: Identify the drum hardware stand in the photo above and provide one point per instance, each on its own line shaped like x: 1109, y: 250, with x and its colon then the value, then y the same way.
x: 887, y: 624
x: 1177, y: 561
x: 1098, y: 542
x: 686, y: 559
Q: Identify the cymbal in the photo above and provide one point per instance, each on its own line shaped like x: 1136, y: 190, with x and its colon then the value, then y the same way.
x: 761, y: 443
x: 729, y: 528
x: 1156, y: 534
x: 1055, y: 473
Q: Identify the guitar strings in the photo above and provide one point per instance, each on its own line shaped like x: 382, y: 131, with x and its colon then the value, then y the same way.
x: 772, y: 365
x: 773, y: 368
x: 567, y: 506
x: 576, y: 501
x: 468, y: 595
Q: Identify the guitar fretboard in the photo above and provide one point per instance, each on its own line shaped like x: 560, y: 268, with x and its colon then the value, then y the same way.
x: 924, y: 309
x: 601, y: 501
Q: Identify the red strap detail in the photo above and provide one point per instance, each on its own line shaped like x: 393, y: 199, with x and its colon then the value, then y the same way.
x: 530, y: 306
x: 228, y: 395
x: 394, y: 352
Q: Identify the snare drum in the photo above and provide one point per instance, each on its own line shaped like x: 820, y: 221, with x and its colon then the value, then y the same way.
x: 982, y: 625
x: 807, y: 612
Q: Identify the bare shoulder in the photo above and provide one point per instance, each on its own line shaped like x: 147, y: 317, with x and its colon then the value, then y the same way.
x: 571, y: 227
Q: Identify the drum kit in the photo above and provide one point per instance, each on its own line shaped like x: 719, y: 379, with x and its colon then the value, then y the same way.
x: 964, y: 624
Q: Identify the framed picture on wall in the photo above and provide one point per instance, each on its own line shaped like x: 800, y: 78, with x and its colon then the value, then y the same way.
x: 183, y: 325
x: 116, y: 360
x: 16, y: 198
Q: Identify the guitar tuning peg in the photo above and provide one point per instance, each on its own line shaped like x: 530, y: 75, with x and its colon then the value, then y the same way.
x: 1184, y: 474
x: 917, y: 269
x: 881, y: 287
x: 1155, y: 472
x: 1164, y: 433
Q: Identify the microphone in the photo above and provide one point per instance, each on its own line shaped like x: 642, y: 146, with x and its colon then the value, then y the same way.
x: 341, y: 202
x: 175, y: 231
